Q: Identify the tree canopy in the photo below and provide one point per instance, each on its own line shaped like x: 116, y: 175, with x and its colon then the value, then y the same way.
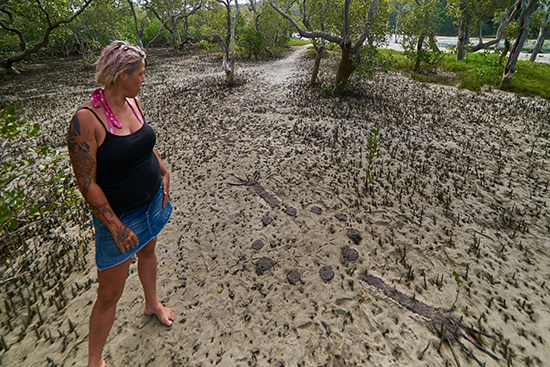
x: 85, y: 26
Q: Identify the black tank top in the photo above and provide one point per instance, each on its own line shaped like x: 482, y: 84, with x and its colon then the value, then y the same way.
x: 128, y: 170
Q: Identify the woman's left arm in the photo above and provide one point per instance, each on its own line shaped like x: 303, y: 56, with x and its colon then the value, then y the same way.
x: 165, y: 179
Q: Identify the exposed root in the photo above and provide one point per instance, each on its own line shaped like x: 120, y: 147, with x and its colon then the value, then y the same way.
x: 442, y: 321
x: 253, y: 182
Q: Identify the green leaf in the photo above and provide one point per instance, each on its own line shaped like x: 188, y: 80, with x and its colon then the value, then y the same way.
x: 35, y: 131
x: 14, y: 223
x: 457, y: 279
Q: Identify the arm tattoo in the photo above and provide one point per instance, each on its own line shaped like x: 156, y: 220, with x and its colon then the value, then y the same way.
x: 103, y: 210
x: 122, y: 233
x: 81, y: 159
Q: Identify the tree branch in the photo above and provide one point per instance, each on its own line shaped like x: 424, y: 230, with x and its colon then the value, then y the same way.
x: 22, y: 43
x: 314, y: 34
x: 227, y: 5
x: 223, y: 45
x: 160, y: 19
x: 347, y: 5
x: 233, y: 25
x: 142, y: 30
x: 523, y: 27
x: 158, y: 33
x: 164, y: 23
x: 133, y: 13
x: 45, y: 12
x: 373, y: 9
x: 8, y: 62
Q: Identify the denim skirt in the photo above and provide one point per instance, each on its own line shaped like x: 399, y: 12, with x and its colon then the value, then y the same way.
x: 146, y: 222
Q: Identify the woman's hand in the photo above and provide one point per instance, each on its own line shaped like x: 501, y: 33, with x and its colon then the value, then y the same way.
x: 166, y: 188
x: 125, y: 238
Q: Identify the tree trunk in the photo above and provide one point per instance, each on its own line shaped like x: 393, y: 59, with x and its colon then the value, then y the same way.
x: 350, y: 55
x: 229, y: 65
x: 174, y: 32
x: 139, y: 32
x: 463, y: 37
x: 396, y: 25
x: 510, y: 68
x: 228, y: 35
x: 231, y: 76
x: 345, y: 68
x: 225, y: 62
x: 463, y: 31
x: 480, y: 31
x: 509, y: 16
x: 418, y: 51
x: 318, y: 58
x: 504, y: 51
x: 543, y: 33
x: 85, y: 53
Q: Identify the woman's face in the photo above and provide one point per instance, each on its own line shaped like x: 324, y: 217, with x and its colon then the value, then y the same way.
x: 133, y: 82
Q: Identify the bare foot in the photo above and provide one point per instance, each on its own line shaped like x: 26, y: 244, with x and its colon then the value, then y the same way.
x: 164, y: 314
x: 101, y: 363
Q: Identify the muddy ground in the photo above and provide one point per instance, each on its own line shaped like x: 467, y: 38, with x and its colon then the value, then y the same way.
x: 461, y: 184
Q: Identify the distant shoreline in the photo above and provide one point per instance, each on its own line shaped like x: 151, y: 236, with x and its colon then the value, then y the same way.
x: 446, y: 42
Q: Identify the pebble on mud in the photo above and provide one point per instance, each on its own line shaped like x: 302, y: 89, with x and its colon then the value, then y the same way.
x: 326, y: 273
x: 341, y: 216
x: 293, y: 276
x: 354, y: 235
x: 316, y: 210
x: 263, y: 265
x: 350, y: 254
x: 258, y: 244
x: 267, y: 220
x: 291, y: 211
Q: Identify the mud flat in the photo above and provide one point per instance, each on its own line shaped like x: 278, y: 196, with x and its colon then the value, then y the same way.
x: 282, y: 271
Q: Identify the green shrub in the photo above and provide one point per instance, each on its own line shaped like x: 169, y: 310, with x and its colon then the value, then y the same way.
x: 33, y: 183
x: 204, y: 44
x: 251, y: 41
x: 480, y: 69
x: 371, y: 62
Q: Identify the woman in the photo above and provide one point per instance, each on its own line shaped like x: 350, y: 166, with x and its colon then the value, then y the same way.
x: 121, y: 176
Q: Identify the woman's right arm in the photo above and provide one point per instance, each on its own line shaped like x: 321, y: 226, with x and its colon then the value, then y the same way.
x: 82, y: 144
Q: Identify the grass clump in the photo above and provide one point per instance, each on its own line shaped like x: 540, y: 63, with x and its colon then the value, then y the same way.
x: 477, y: 71
x: 297, y: 42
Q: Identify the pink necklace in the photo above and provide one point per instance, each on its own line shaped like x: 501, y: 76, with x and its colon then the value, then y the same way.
x: 97, y: 99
